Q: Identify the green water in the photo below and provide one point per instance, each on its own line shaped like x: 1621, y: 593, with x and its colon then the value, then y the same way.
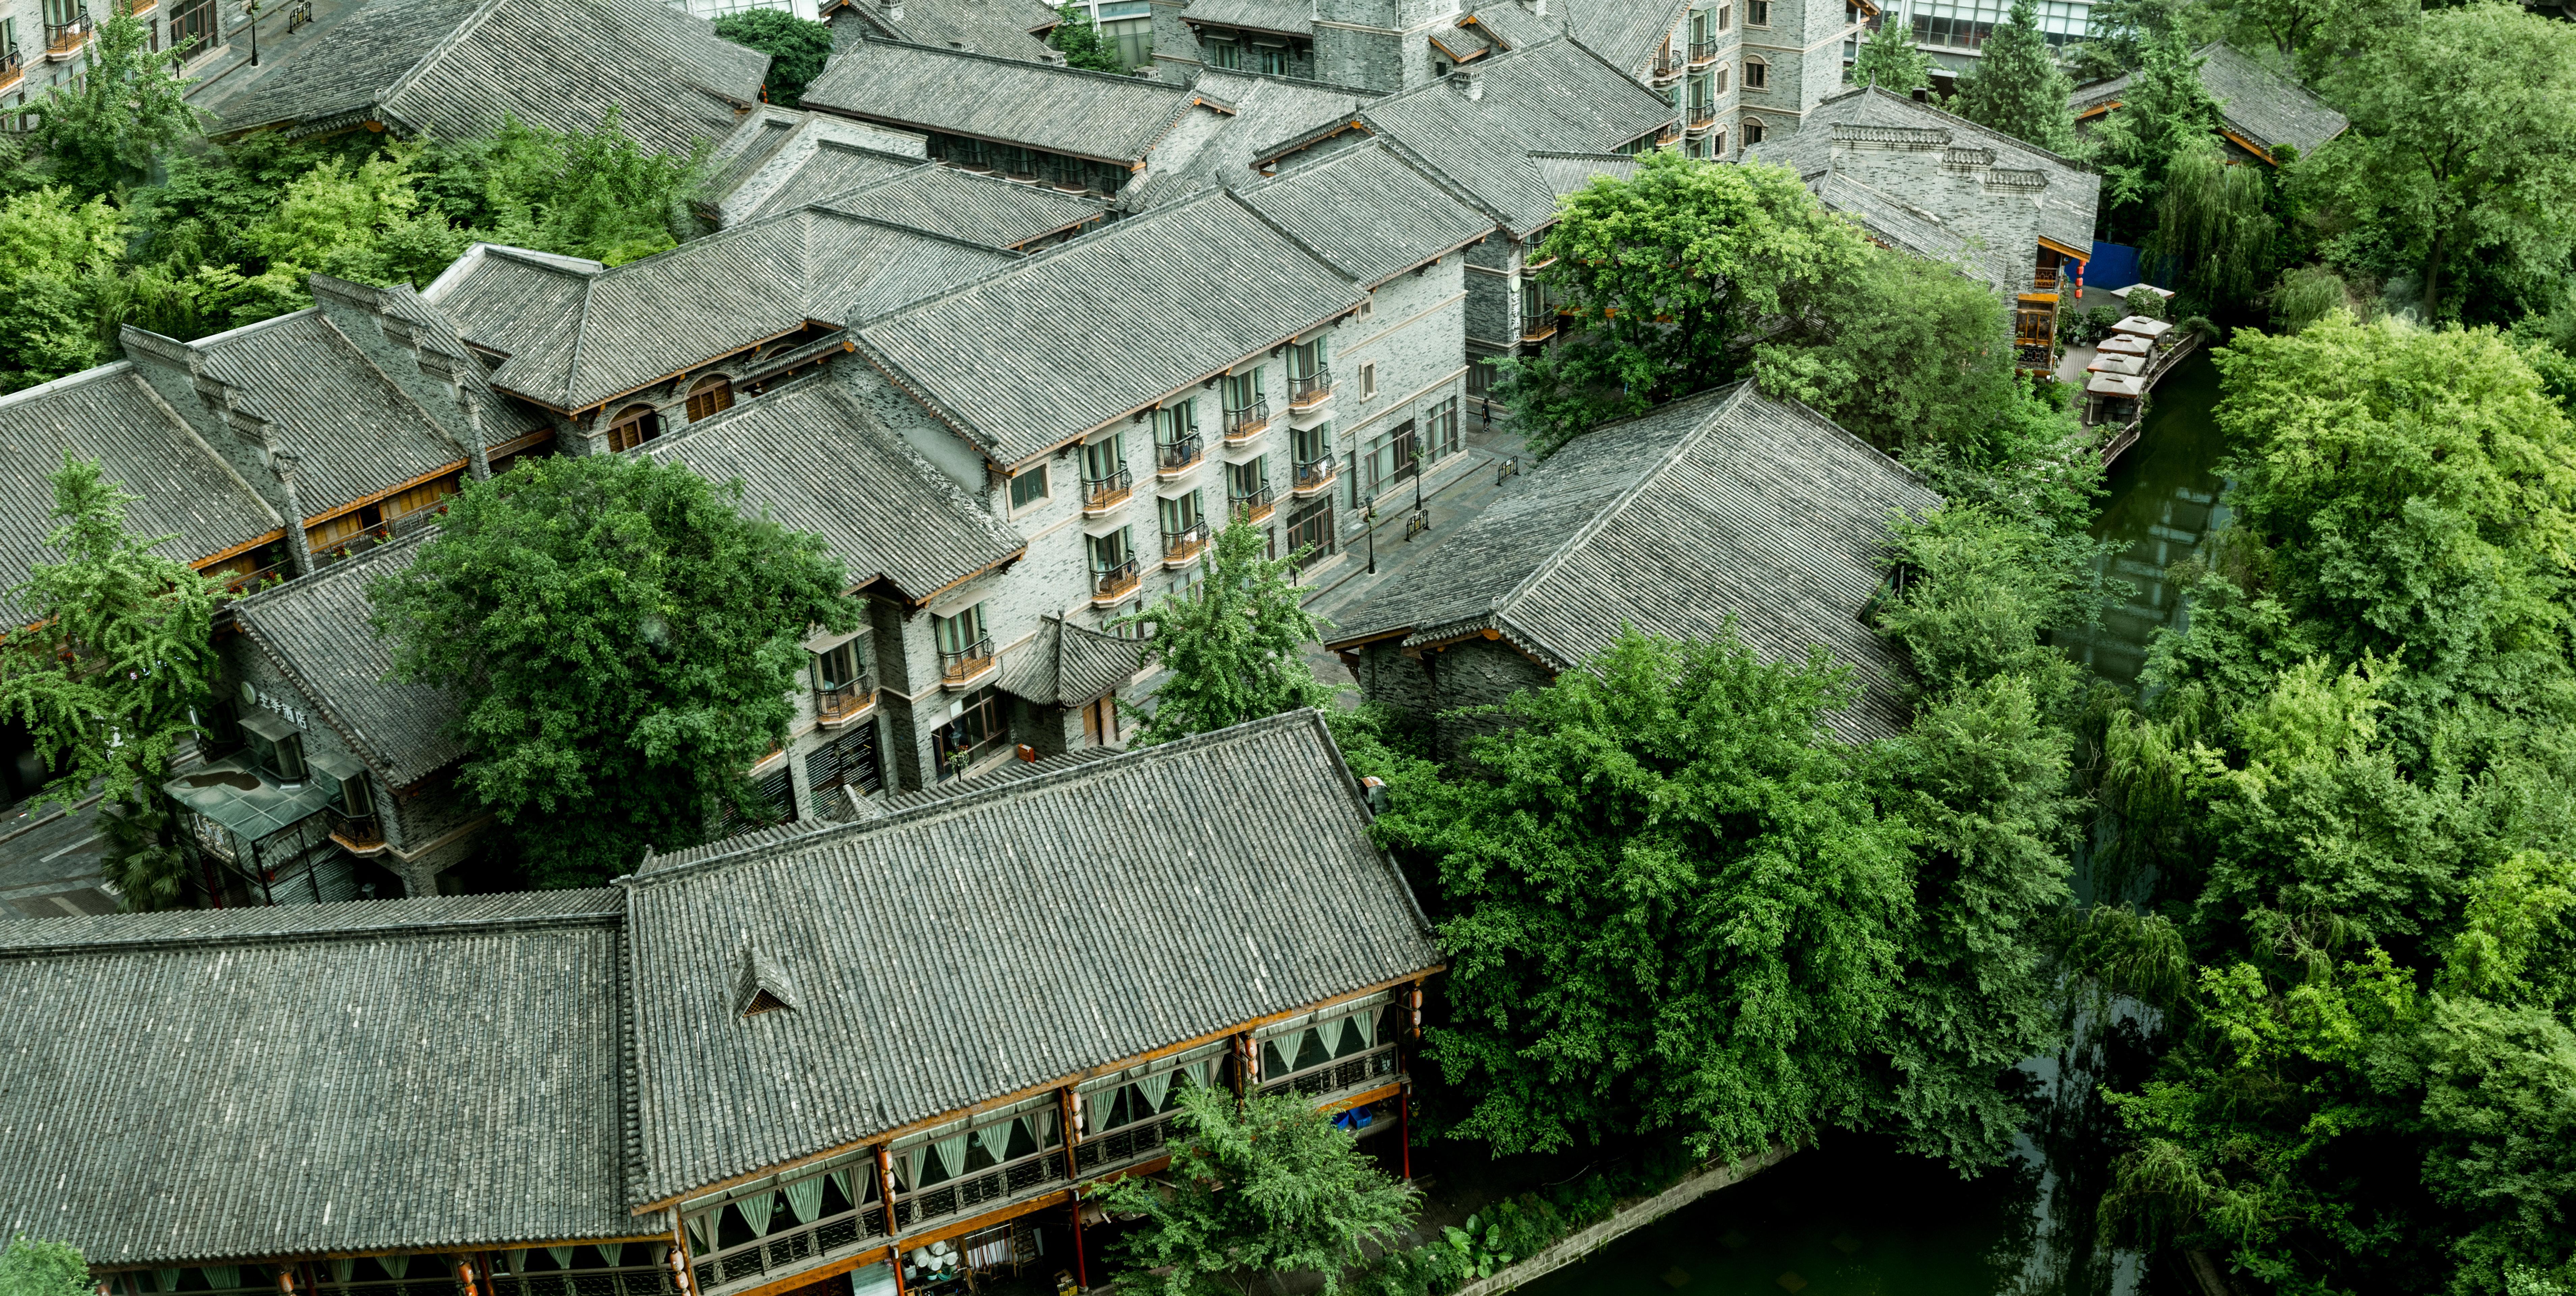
x: 2163, y: 499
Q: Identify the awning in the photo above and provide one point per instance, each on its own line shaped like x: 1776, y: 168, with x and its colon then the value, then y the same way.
x: 2126, y: 344
x: 2116, y: 363
x: 242, y: 799
x: 2107, y: 384
x: 2141, y: 326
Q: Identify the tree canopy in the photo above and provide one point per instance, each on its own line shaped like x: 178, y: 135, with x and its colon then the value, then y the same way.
x: 32, y: 1267
x: 2164, y: 113
x: 1890, y: 60
x: 797, y: 48
x: 2016, y: 86
x: 102, y: 132
x: 1233, y: 644
x: 623, y: 638
x: 1079, y: 40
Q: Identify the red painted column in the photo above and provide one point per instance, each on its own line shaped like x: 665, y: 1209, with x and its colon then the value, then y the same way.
x: 1081, y: 1268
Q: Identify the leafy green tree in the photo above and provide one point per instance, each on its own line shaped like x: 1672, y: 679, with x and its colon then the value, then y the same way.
x: 31, y: 1267
x: 2164, y: 113
x: 1254, y: 1193
x: 2306, y: 38
x: 2017, y: 87
x: 797, y: 48
x: 594, y: 193
x: 2214, y: 224
x: 1079, y: 40
x: 2455, y: 156
x: 2118, y: 33
x: 1234, y: 646
x: 623, y: 638
x: 117, y: 647
x: 1667, y: 278
x: 101, y: 132
x: 54, y: 250
x: 1891, y: 60
x: 1673, y: 908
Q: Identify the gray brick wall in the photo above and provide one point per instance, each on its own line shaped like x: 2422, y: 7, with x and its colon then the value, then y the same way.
x: 1430, y: 685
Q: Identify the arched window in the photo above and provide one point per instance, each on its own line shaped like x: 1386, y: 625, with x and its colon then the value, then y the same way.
x: 1752, y: 131
x: 713, y: 395
x: 633, y: 426
x: 1757, y: 76
x: 1717, y: 143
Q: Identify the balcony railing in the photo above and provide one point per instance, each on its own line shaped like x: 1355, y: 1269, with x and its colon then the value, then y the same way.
x: 1000, y: 1183
x: 788, y: 1250
x: 1172, y: 457
x: 839, y: 704
x: 1314, y: 475
x: 1703, y: 116
x: 1309, y: 389
x: 1126, y: 1143
x: 1242, y: 423
x: 627, y: 1280
x: 13, y: 67
x: 1671, y: 132
x: 1101, y: 494
x: 252, y: 582
x: 1667, y: 65
x: 1363, y: 1070
x: 351, y: 546
x: 418, y: 516
x: 968, y: 662
x: 2044, y: 279
x: 1538, y: 327
x: 357, y: 832
x: 1113, y: 581
x: 1253, y: 507
x: 1703, y: 53
x: 1183, y: 545
x: 63, y: 38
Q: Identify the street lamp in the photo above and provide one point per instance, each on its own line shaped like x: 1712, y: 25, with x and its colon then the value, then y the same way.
x: 251, y: 11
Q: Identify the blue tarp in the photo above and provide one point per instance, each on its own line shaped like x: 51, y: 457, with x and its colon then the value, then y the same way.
x: 2114, y: 265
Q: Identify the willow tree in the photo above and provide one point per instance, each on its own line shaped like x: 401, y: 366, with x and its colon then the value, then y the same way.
x: 116, y: 648
x: 2214, y: 226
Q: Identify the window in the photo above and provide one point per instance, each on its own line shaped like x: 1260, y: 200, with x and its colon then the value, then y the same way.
x: 1757, y: 76
x: 773, y: 801
x: 1181, y: 521
x: 1247, y: 488
x: 1725, y: 16
x: 1717, y: 144
x: 1100, y: 717
x: 1720, y: 85
x: 840, y: 666
x: 1752, y: 131
x: 1311, y: 444
x: 1176, y: 433
x: 1305, y: 361
x: 1368, y: 304
x: 1368, y: 381
x: 1699, y: 26
x: 276, y: 749
x: 1310, y: 531
x: 1333, y: 1035
x: 963, y: 1149
x: 1440, y: 430
x: 755, y: 1211
x: 1145, y: 1092
x: 976, y: 728
x: 1029, y: 487
x: 847, y: 761
x: 1757, y: 13
x: 1701, y: 95
x: 1480, y: 377
x: 1104, y: 469
x: 713, y: 395
x: 1225, y: 54
x: 962, y: 638
x: 1274, y: 60
x: 1134, y: 39
x: 1244, y: 403
x: 1391, y: 457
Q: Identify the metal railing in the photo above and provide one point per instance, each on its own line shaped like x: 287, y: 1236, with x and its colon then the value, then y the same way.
x: 1358, y: 1071
x: 1667, y: 65
x: 301, y: 14
x: 1703, y: 52
x: 787, y: 1250
x: 1007, y: 1180
x: 1538, y: 327
x: 352, y: 546
x: 968, y: 662
x: 838, y: 702
x: 356, y: 832
x: 1173, y: 456
x: 62, y: 38
x: 13, y: 65
x: 1113, y: 581
x: 1703, y: 116
x: 255, y: 580
x: 1306, y: 389
x: 1124, y: 1144
x: 1252, y: 506
x: 1185, y: 544
x: 419, y: 515
x: 1314, y: 474
x: 1101, y: 492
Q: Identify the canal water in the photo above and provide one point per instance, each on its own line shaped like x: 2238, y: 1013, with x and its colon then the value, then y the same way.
x: 1854, y: 1217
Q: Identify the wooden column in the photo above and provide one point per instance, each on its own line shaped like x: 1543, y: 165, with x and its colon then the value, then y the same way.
x: 885, y: 1197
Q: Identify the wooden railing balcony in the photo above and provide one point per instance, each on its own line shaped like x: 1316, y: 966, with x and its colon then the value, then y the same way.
x: 1305, y: 390
x: 1241, y: 424
x: 2044, y: 279
x: 838, y: 704
x: 785, y: 1251
x: 971, y: 662
x: 413, y: 519
x: 978, y: 1188
x: 1253, y: 507
x: 13, y: 67
x: 625, y: 1280
x: 1179, y: 547
x: 63, y: 38
x: 1314, y: 475
x: 1671, y: 132
x: 1703, y: 116
x: 1113, y: 581
x: 1125, y: 1144
x: 1365, y: 1069
x: 364, y: 834
x: 351, y: 546
x: 253, y: 581
x: 1539, y: 327
x: 1172, y: 458
x: 1101, y: 494
x: 1703, y: 53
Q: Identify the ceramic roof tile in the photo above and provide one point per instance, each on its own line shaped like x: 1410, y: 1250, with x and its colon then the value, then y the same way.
x: 1057, y: 109
x: 317, y: 629
x: 2262, y: 106
x: 1003, y: 28
x: 355, y: 431
x: 1368, y: 211
x: 2066, y: 202
x: 963, y: 205
x: 1291, y: 17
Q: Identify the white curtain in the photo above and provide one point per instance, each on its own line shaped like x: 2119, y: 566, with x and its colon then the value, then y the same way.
x: 907, y: 1168
x: 518, y: 1260
x: 842, y: 1179
x: 1154, y: 1087
x: 1042, y: 1123
x: 995, y: 1139
x: 756, y: 1210
x: 1199, y: 1071
x: 805, y: 1198
x: 167, y: 1280
x: 952, y: 1153
x: 611, y: 1252
x: 223, y: 1277
x: 698, y: 1226
x: 1366, y: 1020
x: 562, y: 1255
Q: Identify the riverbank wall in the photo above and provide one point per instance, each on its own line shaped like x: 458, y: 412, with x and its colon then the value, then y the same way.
x: 1576, y: 1246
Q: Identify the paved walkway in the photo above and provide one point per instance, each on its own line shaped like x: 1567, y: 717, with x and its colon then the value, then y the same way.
x: 226, y: 71
x: 49, y: 864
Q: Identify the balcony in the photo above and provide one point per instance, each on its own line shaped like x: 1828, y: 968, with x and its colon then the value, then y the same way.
x: 1172, y: 458
x: 1703, y: 116
x: 351, y: 546
x: 785, y: 1251
x: 13, y: 67
x: 1113, y: 581
x: 1306, y: 390
x: 1127, y: 1143
x: 1670, y: 134
x: 839, y: 704
x: 1254, y: 507
x: 1667, y: 65
x: 1101, y: 494
x: 1366, y: 1069
x: 1243, y: 424
x: 358, y: 834
x: 252, y: 582
x: 1010, y: 1179
x: 1538, y: 327
x: 1703, y: 53
x: 1182, y: 546
x: 2044, y: 279
x: 62, y: 40
x: 1314, y: 477
x: 968, y: 664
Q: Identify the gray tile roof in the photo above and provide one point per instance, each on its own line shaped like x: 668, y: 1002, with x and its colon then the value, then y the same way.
x: 1004, y: 774
x: 109, y: 415
x: 1175, y: 891
x: 1625, y: 32
x: 1213, y: 150
x: 1554, y: 97
x: 1288, y: 17
x: 1725, y: 504
x: 819, y: 462
x: 964, y: 205
x: 452, y: 70
x: 316, y: 629
x: 2259, y: 105
x: 1064, y: 110
x: 222, y: 1085
x: 1564, y: 173
x: 1185, y: 291
x: 1911, y: 229
x: 577, y: 339
x: 2066, y: 203
x: 1368, y: 212
x: 780, y: 158
x: 1065, y: 664
x: 1005, y: 28
x: 357, y: 433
